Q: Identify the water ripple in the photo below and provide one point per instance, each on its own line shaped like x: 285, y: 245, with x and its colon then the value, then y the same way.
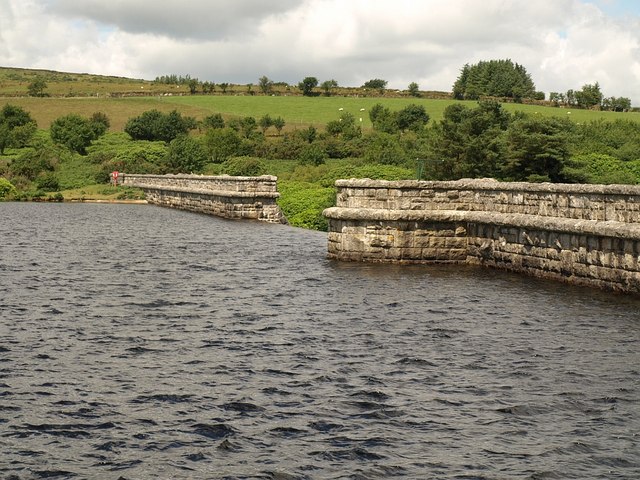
x: 138, y: 342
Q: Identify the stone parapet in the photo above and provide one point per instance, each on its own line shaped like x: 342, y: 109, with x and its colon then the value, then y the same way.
x: 224, y: 196
x: 588, y: 202
x: 581, y: 234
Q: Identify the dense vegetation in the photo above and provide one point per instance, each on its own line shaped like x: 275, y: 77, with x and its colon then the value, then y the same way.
x: 307, y: 142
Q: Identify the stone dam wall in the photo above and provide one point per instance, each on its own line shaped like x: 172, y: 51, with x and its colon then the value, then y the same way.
x: 224, y: 196
x: 580, y: 234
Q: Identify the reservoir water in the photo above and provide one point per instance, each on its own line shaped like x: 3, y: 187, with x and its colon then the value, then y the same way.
x: 141, y: 343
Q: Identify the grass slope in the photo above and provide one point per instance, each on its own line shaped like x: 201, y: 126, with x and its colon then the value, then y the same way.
x: 296, y: 111
x: 121, y: 98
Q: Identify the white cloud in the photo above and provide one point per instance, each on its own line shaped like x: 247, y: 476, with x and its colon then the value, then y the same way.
x: 562, y: 43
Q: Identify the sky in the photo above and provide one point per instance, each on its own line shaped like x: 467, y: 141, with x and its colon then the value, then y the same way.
x: 563, y: 44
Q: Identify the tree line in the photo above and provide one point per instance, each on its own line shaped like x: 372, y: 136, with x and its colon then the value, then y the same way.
x: 504, y: 79
x: 500, y: 79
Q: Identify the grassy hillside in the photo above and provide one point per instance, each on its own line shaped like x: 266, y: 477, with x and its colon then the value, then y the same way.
x: 123, y: 98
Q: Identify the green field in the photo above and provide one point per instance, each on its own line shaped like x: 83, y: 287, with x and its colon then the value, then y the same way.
x: 122, y: 98
x: 297, y: 111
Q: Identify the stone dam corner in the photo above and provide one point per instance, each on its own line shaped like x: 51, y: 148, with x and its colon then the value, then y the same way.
x: 579, y: 234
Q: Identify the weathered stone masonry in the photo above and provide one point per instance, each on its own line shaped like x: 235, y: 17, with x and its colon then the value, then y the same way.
x: 581, y: 234
x: 223, y: 196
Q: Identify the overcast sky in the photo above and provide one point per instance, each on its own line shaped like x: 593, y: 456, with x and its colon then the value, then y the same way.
x: 563, y: 44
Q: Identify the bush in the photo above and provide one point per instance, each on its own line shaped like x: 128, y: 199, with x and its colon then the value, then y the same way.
x: 76, y: 172
x: 186, y: 155
x: 47, y: 182
x: 312, y: 154
x: 374, y: 172
x: 213, y: 121
x: 221, y: 143
x: 7, y: 190
x: 385, y: 149
x: 302, y: 204
x: 244, y: 166
x: 155, y: 125
x: 16, y: 127
x: 76, y: 132
x: 57, y: 197
x: 288, y: 147
x: 116, y: 151
x: 31, y: 163
x: 602, y: 169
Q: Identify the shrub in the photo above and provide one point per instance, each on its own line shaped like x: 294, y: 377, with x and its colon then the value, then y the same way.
x: 186, y: 154
x: 384, y: 148
x: 155, y: 125
x: 244, y: 166
x: 221, y: 143
x: 374, y: 172
x: 288, y: 147
x: 600, y: 168
x: 7, y: 190
x: 313, y: 154
x: 76, y: 132
x: 31, y: 163
x: 16, y: 127
x: 302, y: 204
x: 213, y: 121
x: 47, y: 182
x: 57, y: 197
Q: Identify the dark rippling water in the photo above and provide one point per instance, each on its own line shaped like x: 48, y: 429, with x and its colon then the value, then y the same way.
x: 138, y: 343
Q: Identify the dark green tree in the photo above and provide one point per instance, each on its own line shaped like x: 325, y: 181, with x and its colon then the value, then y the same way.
x: 265, y: 122
x: 590, y: 96
x: 37, y: 87
x: 186, y: 155
x: 245, y: 166
x: 383, y: 119
x: 412, y: 117
x: 328, y: 85
x: 309, y: 134
x: 75, y: 132
x: 208, y: 87
x: 265, y: 84
x: 221, y: 144
x: 307, y: 85
x: 616, y: 104
x: 537, y: 149
x: 245, y: 125
x: 375, y: 83
x: 155, y: 125
x: 100, y: 123
x: 213, y: 121
x: 312, y: 154
x: 414, y: 89
x: 494, y: 78
x: 16, y: 127
x: 469, y: 142
x: 345, y: 127
x: 278, y: 123
x: 384, y: 148
x: 193, y: 84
